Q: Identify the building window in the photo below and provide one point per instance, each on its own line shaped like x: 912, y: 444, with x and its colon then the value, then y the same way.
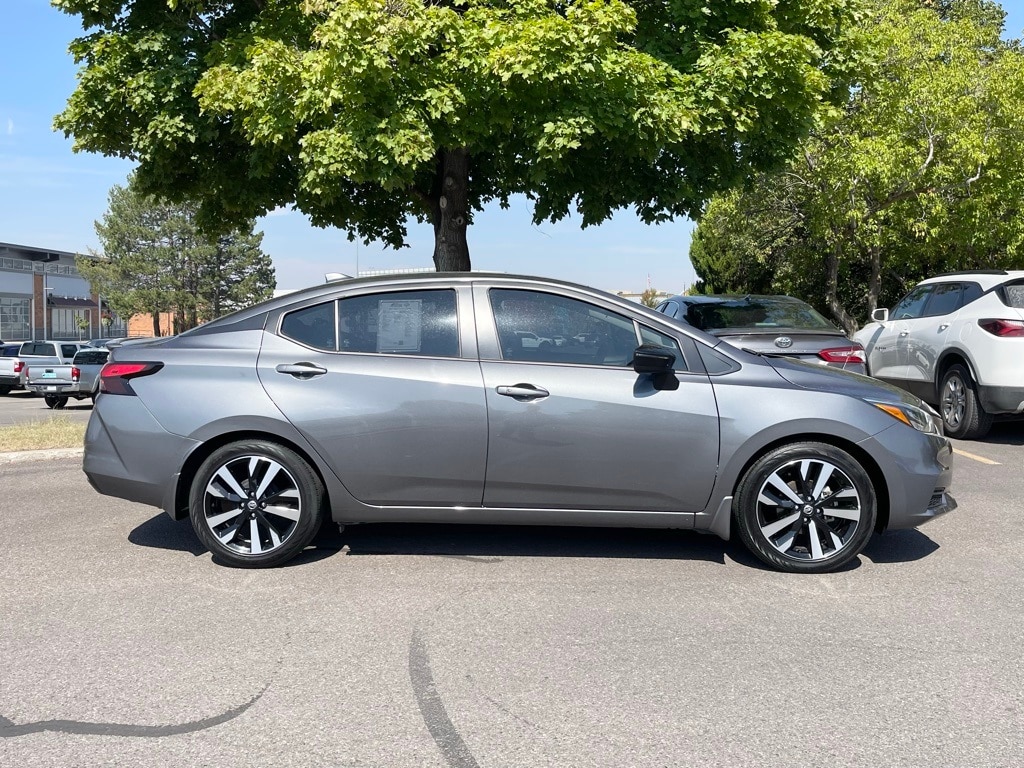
x: 14, y: 319
x: 66, y: 323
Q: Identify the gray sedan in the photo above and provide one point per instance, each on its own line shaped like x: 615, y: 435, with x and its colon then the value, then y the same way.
x: 421, y: 398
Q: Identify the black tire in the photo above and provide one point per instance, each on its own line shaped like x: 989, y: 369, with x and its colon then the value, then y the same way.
x: 804, y: 537
x: 282, y: 500
x: 963, y: 417
x: 55, y: 401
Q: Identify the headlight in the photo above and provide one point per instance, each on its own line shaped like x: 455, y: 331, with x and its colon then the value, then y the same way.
x: 922, y: 419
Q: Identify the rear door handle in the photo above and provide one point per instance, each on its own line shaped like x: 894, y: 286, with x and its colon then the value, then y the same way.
x: 903, y: 333
x: 301, y: 370
x: 523, y: 392
x: 943, y: 327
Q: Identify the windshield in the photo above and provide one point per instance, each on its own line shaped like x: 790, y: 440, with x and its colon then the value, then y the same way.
x: 757, y: 312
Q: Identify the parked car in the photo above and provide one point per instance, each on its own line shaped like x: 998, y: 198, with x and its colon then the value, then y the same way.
x: 957, y: 342
x: 78, y: 380
x: 14, y: 364
x: 769, y: 325
x: 406, y: 398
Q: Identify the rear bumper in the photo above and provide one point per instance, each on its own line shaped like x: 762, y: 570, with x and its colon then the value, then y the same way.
x: 149, y: 458
x: 62, y: 390
x: 10, y: 381
x: 1001, y: 399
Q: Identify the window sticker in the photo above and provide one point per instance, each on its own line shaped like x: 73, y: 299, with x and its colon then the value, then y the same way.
x: 399, y: 325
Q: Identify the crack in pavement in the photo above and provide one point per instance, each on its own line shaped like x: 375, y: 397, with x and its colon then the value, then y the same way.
x: 441, y: 728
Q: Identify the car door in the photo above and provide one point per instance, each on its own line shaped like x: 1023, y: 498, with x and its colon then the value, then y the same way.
x: 387, y: 388
x: 886, y: 348
x: 926, y: 337
x: 573, y: 426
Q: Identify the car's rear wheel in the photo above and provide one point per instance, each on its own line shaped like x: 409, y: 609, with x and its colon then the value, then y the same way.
x: 255, y: 504
x: 963, y: 417
x: 805, y: 508
x: 55, y: 401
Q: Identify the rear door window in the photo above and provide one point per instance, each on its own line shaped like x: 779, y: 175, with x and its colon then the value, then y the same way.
x: 946, y: 299
x: 68, y: 350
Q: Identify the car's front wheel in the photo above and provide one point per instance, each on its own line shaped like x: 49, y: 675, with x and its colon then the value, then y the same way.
x: 255, y: 504
x: 805, y: 507
x: 963, y: 417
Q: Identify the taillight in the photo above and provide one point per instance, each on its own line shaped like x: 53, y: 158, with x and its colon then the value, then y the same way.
x: 75, y: 374
x: 842, y: 355
x: 1003, y: 328
x: 115, y: 377
x: 18, y: 366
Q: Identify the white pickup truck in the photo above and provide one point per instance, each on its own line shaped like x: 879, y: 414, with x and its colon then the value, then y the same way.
x: 79, y: 380
x: 17, y: 359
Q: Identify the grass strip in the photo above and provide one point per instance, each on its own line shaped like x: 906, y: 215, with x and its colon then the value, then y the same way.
x: 54, y: 432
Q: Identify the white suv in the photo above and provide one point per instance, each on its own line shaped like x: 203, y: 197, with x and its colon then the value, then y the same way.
x: 957, y: 342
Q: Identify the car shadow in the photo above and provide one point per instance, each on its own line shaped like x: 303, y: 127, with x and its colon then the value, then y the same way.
x: 493, y: 543
x: 901, y: 546
x: 1009, y: 432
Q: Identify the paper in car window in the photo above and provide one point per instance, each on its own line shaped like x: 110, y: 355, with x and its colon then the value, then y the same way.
x: 399, y: 325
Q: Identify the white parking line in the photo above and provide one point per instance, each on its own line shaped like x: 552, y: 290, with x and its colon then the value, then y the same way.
x: 982, y: 459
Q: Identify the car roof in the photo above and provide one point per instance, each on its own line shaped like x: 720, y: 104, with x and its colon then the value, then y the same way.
x: 721, y: 298
x: 405, y: 279
x: 986, y: 278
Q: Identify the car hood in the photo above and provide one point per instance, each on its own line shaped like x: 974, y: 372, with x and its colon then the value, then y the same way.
x: 819, y: 377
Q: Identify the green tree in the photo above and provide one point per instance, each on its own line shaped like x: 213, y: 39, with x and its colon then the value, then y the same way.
x: 366, y: 114
x: 921, y: 173
x: 155, y: 259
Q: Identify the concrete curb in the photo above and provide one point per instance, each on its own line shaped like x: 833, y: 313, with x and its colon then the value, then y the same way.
x: 18, y: 457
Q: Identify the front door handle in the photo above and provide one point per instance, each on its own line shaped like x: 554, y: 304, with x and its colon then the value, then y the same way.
x: 301, y: 370
x: 523, y: 392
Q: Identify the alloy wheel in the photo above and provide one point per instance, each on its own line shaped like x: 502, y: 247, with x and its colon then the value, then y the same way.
x: 809, y: 510
x: 954, y: 402
x: 252, y: 505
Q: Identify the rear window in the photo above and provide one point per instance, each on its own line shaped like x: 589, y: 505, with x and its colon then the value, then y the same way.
x: 68, y: 350
x: 10, y: 350
x: 91, y: 357
x: 38, y: 348
x: 1012, y: 294
x: 756, y: 313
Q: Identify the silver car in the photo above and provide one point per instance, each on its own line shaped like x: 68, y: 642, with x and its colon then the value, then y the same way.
x: 417, y: 398
x: 770, y: 325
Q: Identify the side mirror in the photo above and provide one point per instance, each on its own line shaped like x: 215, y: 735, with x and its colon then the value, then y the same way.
x: 652, y: 358
x: 880, y: 315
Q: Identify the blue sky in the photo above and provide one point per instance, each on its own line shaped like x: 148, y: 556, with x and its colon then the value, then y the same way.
x: 50, y: 197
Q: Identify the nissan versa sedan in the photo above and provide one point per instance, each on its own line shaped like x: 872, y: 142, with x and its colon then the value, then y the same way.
x: 425, y: 398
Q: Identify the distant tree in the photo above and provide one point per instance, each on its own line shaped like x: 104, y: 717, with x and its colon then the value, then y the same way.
x: 650, y: 298
x: 921, y: 173
x: 366, y: 113
x: 154, y: 259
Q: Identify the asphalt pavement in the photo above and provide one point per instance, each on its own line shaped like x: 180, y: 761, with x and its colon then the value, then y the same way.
x: 22, y: 407
x: 122, y: 643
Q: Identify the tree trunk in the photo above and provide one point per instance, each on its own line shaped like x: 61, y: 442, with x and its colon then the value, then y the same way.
x: 156, y: 323
x: 832, y: 293
x: 874, y: 279
x: 448, y: 204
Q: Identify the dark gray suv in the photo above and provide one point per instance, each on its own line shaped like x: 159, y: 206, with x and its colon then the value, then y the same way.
x: 433, y: 398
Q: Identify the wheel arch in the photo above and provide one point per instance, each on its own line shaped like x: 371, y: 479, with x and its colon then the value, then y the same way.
x: 179, y: 509
x: 882, y: 498
x: 949, y: 358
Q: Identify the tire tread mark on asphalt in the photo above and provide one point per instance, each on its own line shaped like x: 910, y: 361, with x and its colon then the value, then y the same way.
x: 8, y: 729
x: 441, y: 728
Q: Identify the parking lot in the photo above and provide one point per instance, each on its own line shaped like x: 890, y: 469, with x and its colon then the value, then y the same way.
x: 21, y: 407
x: 122, y: 643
